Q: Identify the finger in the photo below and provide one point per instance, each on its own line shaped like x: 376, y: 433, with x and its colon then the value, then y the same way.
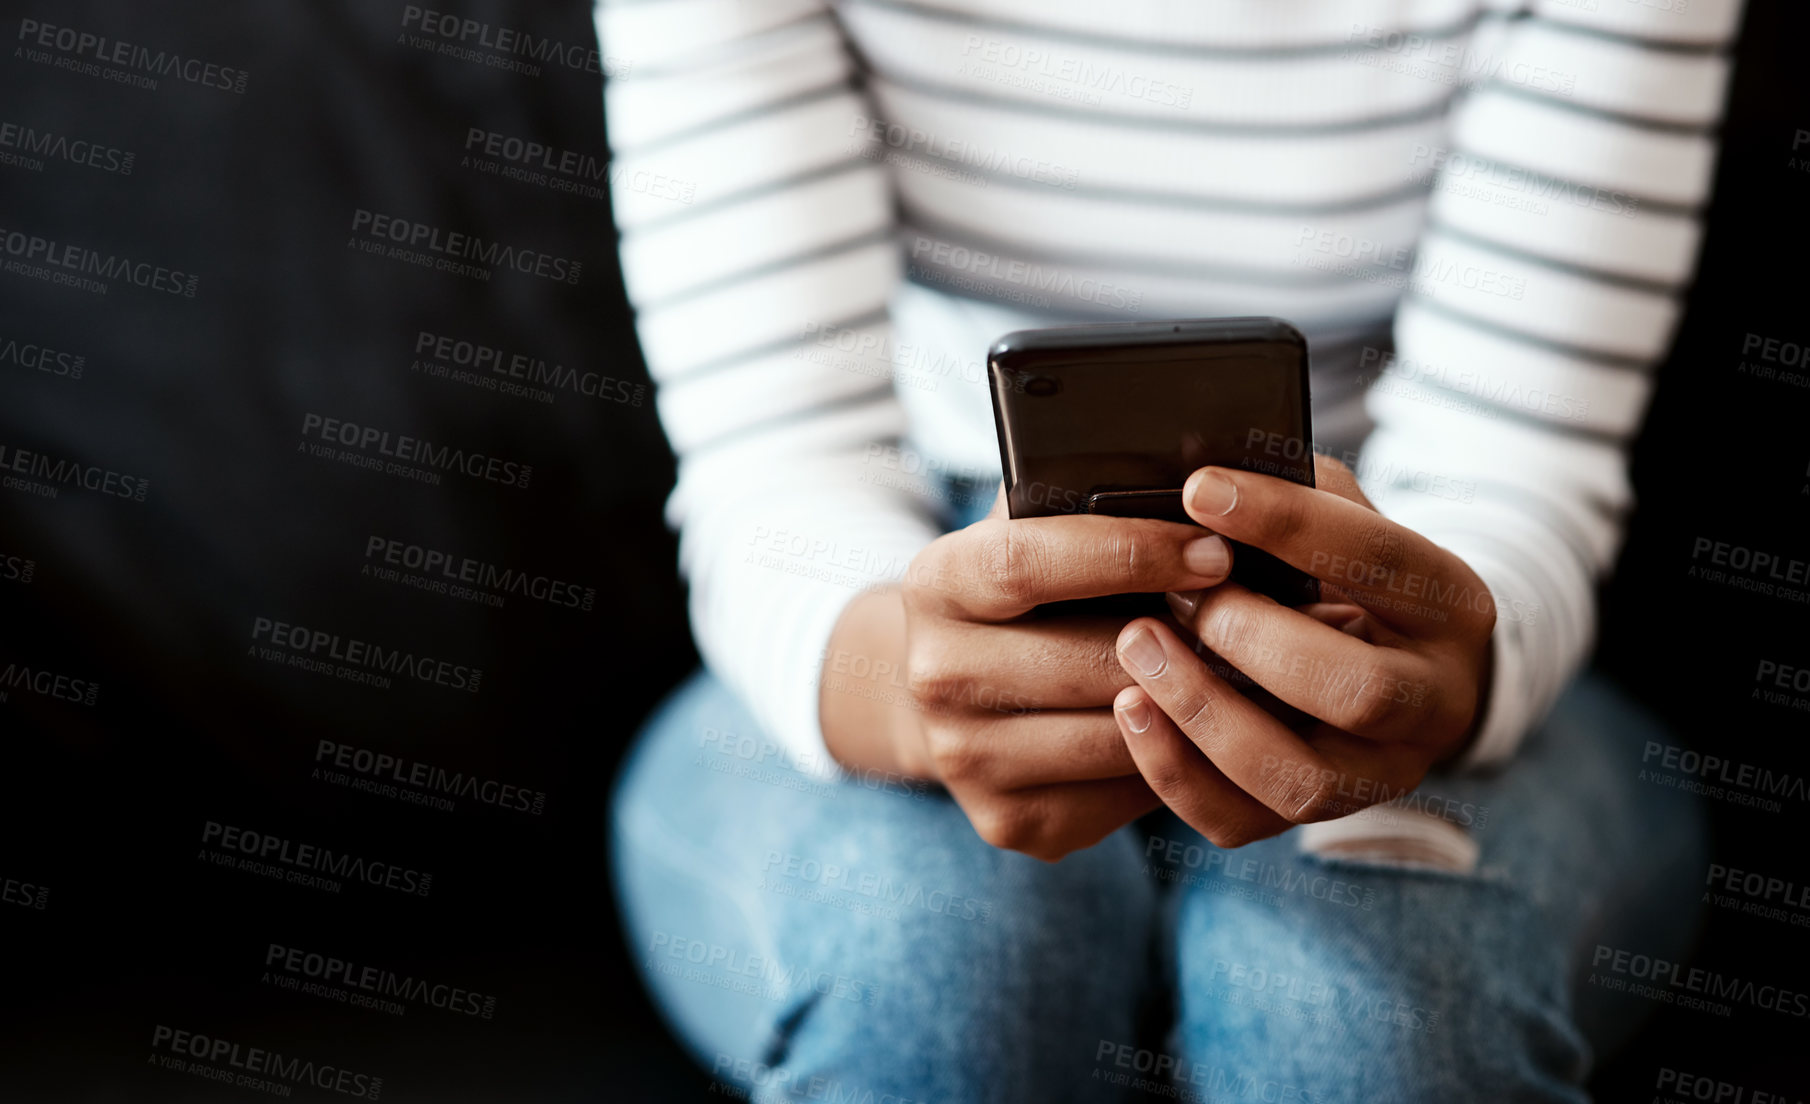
x: 1238, y: 736
x: 1367, y: 772
x: 1186, y: 780
x: 1398, y: 575
x: 1332, y: 476
x: 1378, y: 692
x: 996, y: 570
x: 1037, y: 749
x: 1060, y: 663
x: 1052, y: 821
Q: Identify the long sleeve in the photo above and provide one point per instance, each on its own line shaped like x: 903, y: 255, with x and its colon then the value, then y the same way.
x: 1563, y: 225
x: 758, y: 253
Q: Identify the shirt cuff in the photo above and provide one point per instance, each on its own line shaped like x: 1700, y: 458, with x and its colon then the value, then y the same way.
x: 1510, y: 710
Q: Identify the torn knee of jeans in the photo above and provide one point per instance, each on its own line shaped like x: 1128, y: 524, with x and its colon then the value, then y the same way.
x: 1391, y: 836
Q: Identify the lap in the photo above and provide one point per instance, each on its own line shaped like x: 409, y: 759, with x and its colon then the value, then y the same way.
x: 1443, y: 981
x: 860, y: 931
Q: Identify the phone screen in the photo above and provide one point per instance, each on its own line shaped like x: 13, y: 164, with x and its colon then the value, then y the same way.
x: 1113, y: 419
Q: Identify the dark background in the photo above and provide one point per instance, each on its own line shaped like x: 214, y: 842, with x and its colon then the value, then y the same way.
x: 205, y: 396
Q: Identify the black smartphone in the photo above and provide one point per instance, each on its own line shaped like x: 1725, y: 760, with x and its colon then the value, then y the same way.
x: 1112, y: 418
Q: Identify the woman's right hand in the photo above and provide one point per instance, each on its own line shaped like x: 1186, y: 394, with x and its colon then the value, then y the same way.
x: 1011, y: 714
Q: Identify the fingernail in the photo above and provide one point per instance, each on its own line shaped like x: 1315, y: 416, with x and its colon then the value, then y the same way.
x: 1209, y: 556
x: 1184, y: 603
x: 1145, y: 653
x: 1215, y: 495
x: 1137, y: 715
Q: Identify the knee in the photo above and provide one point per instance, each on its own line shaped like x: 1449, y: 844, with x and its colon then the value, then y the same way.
x: 979, y: 969
x: 1415, y: 1001
x: 937, y: 908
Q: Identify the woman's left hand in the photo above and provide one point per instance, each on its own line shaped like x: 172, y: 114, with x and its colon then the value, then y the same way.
x: 1391, y: 668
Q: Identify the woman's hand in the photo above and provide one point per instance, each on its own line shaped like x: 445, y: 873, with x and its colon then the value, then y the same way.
x: 1391, y: 669
x: 1012, y: 714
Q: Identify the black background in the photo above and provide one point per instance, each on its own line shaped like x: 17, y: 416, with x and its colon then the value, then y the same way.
x: 205, y: 396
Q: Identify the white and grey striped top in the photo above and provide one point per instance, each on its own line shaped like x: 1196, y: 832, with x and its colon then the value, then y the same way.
x: 829, y: 210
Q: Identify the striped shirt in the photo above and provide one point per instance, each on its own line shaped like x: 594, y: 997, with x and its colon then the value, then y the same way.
x: 1481, y: 213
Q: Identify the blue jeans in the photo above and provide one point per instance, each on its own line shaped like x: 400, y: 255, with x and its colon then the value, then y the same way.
x: 856, y: 940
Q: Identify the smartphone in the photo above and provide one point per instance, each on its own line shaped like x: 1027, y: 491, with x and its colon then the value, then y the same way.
x: 1112, y: 418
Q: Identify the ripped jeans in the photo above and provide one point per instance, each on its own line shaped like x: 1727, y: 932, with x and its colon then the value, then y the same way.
x: 857, y: 941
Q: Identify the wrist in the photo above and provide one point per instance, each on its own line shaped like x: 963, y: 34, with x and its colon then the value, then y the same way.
x: 864, y: 700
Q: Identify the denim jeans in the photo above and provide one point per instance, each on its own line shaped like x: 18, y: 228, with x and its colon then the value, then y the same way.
x: 856, y: 940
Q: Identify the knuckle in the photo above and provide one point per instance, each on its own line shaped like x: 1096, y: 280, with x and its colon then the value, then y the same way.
x: 1131, y: 556
x: 1003, y: 566
x: 1286, y: 520
x: 1384, y: 546
x: 913, y: 588
x: 1370, y: 699
x: 1004, y: 827
x: 1304, y: 797
x: 938, y: 689
x: 1195, y: 713
x: 1231, y: 628
x: 1236, y: 833
x: 957, y: 758
x: 1165, y: 779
